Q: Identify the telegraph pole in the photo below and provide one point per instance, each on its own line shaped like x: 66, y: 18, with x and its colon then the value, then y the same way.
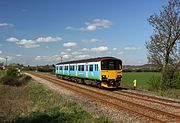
x: 6, y: 61
x: 61, y: 59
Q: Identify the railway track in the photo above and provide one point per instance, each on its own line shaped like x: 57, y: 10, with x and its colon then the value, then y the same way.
x: 160, y: 101
x: 108, y: 98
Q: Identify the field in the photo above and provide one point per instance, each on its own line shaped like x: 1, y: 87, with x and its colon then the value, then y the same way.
x: 142, y: 79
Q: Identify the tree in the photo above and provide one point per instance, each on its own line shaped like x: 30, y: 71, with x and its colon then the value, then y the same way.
x: 164, y: 45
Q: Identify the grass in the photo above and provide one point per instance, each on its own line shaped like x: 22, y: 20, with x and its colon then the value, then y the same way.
x: 142, y: 79
x: 33, y: 103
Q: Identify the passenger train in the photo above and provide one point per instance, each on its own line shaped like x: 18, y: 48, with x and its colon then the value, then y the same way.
x: 102, y: 71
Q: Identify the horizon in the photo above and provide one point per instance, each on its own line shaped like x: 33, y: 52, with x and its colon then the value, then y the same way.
x: 32, y: 33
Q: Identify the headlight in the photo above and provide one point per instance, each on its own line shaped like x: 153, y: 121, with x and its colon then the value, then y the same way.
x: 118, y: 76
x: 103, y: 76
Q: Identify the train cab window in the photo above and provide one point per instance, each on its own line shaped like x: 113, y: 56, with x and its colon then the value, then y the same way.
x: 56, y: 67
x: 60, y: 68
x: 111, y: 65
x: 91, y: 67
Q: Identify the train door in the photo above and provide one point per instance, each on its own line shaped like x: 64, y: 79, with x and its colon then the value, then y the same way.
x: 86, y: 70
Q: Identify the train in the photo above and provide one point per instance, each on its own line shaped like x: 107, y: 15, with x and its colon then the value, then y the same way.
x: 103, y: 72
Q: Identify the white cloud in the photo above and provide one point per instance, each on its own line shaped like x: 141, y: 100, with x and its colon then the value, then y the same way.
x: 2, y: 59
x: 6, y: 25
x: 48, y: 39
x: 93, y: 40
x: 96, y: 24
x: 96, y: 49
x: 114, y: 49
x: 90, y: 28
x: 68, y: 50
x: 99, y: 49
x: 85, y: 49
x: 12, y: 39
x: 54, y: 58
x: 82, y: 56
x: 132, y: 48
x: 69, y: 44
x: 9, y: 58
x: 18, y: 55
x: 120, y: 53
x: 76, y: 53
x: 32, y: 43
x: 23, y: 43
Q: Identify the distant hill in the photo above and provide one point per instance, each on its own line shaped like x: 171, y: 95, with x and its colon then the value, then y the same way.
x: 141, y: 68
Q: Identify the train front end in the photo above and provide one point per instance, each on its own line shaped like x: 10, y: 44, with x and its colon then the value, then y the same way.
x: 111, y: 73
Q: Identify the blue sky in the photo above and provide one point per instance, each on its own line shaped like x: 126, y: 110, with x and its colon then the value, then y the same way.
x: 38, y: 32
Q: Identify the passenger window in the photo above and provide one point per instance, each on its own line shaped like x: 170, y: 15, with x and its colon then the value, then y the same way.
x: 96, y: 67
x: 79, y: 67
x: 90, y: 67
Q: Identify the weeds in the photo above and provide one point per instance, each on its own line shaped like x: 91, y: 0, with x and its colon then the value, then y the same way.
x: 13, y: 78
x: 49, y: 107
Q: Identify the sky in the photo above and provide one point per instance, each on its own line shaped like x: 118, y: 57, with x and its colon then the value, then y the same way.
x: 40, y: 32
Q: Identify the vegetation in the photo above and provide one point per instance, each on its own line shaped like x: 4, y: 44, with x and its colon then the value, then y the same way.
x: 33, y: 103
x: 14, y: 78
x: 45, y: 68
x: 143, y: 79
x: 164, y: 45
x: 48, y: 106
x: 149, y: 81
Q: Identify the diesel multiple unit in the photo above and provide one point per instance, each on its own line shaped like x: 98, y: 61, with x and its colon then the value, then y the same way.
x: 103, y: 71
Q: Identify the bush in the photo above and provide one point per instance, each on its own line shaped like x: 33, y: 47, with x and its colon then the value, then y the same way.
x: 9, y: 80
x: 12, y: 78
x: 12, y: 72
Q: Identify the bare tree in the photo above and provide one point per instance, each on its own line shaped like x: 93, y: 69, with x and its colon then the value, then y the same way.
x: 164, y: 46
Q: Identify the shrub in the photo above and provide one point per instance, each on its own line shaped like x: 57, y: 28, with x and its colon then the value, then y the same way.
x: 12, y: 72
x: 12, y: 78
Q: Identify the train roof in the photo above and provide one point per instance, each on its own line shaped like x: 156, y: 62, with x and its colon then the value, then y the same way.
x: 88, y: 60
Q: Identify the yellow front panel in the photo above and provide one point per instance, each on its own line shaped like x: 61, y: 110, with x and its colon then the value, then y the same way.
x: 111, y: 74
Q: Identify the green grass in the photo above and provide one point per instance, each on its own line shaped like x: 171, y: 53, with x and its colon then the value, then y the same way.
x: 48, y: 106
x: 2, y: 73
x: 142, y: 79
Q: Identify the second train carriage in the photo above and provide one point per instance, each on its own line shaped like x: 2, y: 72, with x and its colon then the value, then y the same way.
x: 102, y: 71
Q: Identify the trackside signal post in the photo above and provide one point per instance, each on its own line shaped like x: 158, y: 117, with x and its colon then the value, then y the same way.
x: 134, y: 84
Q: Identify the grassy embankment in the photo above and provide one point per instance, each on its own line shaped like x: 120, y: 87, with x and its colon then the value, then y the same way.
x: 143, y: 79
x: 33, y: 103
